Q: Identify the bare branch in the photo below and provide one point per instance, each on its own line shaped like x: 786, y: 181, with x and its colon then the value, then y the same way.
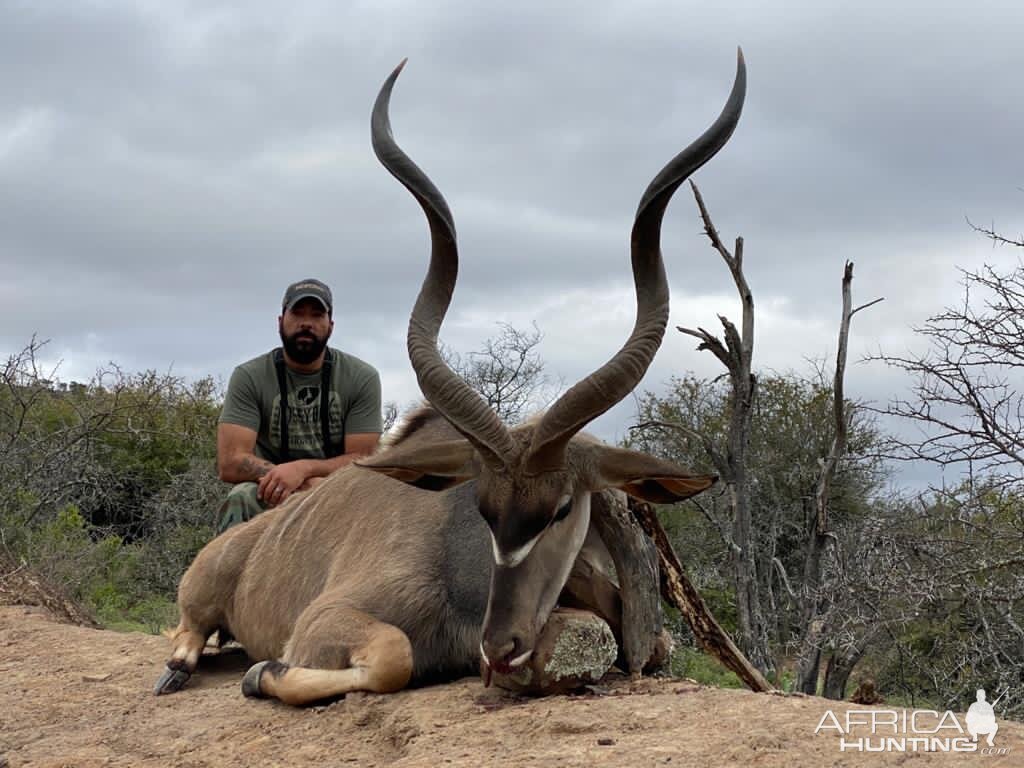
x: 784, y: 578
x: 719, y: 526
x: 709, y: 342
x: 721, y: 465
x: 966, y: 399
x: 995, y: 237
x: 711, y: 232
x: 865, y: 306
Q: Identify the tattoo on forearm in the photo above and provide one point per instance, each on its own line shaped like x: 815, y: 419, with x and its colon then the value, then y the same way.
x: 255, y: 467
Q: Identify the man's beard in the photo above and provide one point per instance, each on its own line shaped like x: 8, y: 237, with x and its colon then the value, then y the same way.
x: 303, y: 347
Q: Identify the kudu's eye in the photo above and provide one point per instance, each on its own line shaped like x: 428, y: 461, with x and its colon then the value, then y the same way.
x: 563, y: 511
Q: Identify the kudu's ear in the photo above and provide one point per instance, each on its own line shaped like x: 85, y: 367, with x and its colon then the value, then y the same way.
x: 647, y: 477
x: 434, y: 467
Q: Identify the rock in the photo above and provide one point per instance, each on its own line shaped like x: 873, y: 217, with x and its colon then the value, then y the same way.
x: 575, y: 648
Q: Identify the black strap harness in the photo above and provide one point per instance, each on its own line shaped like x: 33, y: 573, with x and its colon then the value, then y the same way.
x: 330, y: 449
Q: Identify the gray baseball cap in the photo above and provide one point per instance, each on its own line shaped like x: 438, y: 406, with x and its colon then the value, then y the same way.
x: 308, y: 289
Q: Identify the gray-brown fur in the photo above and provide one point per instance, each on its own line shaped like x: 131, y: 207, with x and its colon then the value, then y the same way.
x: 418, y: 560
x: 381, y: 549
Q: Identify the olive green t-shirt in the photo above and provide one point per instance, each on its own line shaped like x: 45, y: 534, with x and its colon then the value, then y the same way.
x: 253, y: 400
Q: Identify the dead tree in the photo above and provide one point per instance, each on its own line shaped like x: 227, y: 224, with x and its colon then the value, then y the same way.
x: 814, y: 605
x: 736, y: 353
x: 730, y: 460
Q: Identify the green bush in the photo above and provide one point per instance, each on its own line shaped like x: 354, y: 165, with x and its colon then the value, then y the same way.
x: 107, y: 489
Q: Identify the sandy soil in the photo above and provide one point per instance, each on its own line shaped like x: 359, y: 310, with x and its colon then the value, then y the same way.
x: 73, y: 696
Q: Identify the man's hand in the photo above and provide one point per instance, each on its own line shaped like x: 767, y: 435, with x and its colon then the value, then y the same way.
x: 282, y: 481
x: 237, y: 463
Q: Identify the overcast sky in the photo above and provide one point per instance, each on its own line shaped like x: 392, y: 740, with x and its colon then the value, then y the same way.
x: 167, y: 168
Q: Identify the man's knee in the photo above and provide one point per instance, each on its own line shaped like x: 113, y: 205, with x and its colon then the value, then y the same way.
x: 241, y: 505
x: 245, y: 491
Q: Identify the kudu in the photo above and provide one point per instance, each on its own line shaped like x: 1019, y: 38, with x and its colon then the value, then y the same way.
x: 455, y: 542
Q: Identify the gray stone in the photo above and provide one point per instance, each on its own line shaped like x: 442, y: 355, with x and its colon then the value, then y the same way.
x: 575, y: 648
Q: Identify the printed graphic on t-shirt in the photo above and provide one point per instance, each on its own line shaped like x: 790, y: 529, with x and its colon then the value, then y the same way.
x: 307, y: 395
x: 304, y: 430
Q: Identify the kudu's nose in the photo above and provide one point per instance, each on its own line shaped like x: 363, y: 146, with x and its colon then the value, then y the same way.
x: 504, y: 653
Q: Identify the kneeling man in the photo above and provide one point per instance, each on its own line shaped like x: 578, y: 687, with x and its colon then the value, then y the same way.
x: 295, y: 414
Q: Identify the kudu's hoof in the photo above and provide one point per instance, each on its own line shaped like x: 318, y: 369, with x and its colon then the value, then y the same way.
x: 171, y: 681
x: 251, y: 681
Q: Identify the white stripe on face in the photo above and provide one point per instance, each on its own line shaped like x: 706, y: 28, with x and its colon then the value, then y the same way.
x: 516, y: 556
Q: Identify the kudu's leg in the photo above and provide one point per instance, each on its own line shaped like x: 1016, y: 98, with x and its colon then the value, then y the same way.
x: 207, y: 586
x: 188, y: 643
x: 333, y: 650
x: 201, y: 615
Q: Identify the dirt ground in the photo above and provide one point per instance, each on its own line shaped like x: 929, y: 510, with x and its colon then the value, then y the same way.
x: 73, y: 696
